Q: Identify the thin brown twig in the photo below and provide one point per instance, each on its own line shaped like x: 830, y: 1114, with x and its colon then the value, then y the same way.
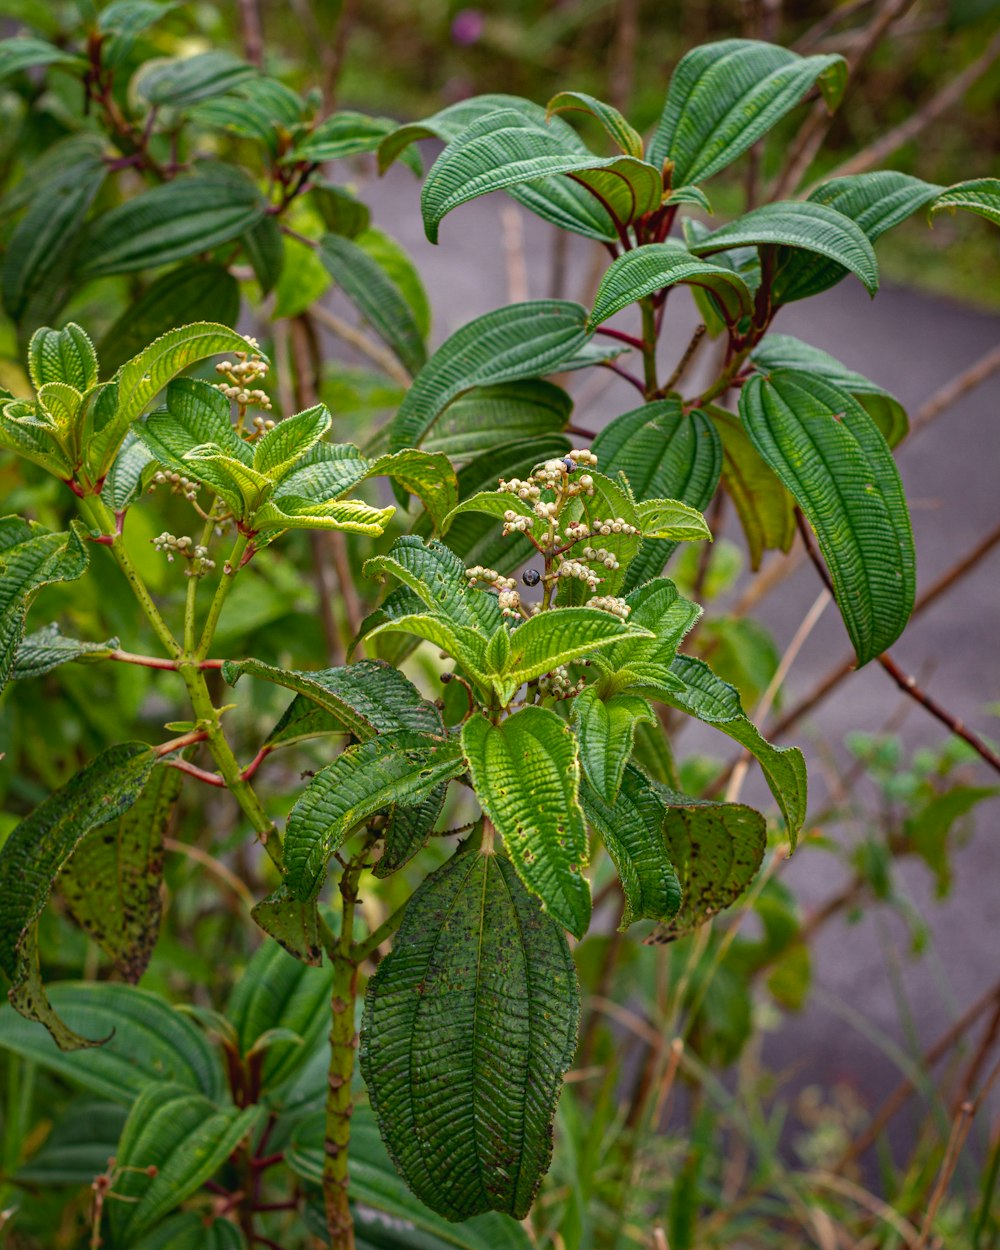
x: 686, y: 358
x: 333, y: 60
x: 253, y: 32
x: 956, y: 1140
x: 837, y: 14
x: 214, y: 866
x: 357, y: 339
x: 952, y: 391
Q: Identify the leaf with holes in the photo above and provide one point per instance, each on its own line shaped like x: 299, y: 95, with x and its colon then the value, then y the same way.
x: 829, y: 453
x: 481, y: 987
x: 526, y: 774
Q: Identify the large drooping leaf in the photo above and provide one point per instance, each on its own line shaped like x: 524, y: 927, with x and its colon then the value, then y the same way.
x: 277, y: 992
x: 655, y: 266
x: 631, y: 828
x: 264, y: 245
x: 396, y: 261
x: 401, y: 766
x: 556, y: 200
x: 147, y: 1042
x: 605, y: 730
x: 387, y: 1215
x: 177, y: 83
x: 615, y: 125
x: 377, y: 298
x: 366, y: 698
x: 30, y: 559
x: 343, y: 134
x: 488, y: 416
x: 717, y: 703
x: 795, y: 225
x: 782, y: 351
x: 507, y: 345
x: 979, y: 195
x: 35, y: 853
x: 526, y: 775
x: 830, y: 454
x: 505, y: 148
x: 185, y: 1138
x: 199, y: 286
x: 191, y: 214
x: 113, y: 882
x: 48, y: 648
x: 725, y: 96
x: 765, y: 508
x: 193, y: 1228
x: 469, y: 1026
x: 121, y: 23
x: 664, y: 453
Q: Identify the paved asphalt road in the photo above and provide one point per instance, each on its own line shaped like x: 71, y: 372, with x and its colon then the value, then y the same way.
x: 911, y: 344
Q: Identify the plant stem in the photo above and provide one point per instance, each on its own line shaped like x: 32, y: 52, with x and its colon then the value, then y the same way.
x: 649, y: 346
x: 230, y: 569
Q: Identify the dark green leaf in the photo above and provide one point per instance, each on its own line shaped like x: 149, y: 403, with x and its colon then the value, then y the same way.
x: 631, y: 828
x: 343, y: 134
x: 437, y: 576
x: 128, y: 475
x: 645, y: 661
x: 979, y: 195
x: 605, y: 730
x: 655, y: 266
x: 264, y: 245
x: 190, y: 1229
x: 78, y: 1147
x: 481, y: 987
x: 47, y: 648
x: 526, y: 774
x: 725, y: 96
x: 178, y: 83
x: 615, y: 125
x: 292, y: 923
x: 829, y: 453
x: 25, y: 52
x: 407, y: 829
x: 487, y: 416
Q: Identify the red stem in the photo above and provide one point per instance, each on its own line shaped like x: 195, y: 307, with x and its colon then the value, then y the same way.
x: 192, y: 770
x: 622, y: 337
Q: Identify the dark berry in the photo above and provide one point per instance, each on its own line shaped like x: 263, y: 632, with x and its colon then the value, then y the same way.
x: 531, y: 577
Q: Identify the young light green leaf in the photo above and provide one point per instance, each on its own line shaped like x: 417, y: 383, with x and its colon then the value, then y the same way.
x: 717, y: 703
x: 113, y: 882
x: 796, y: 225
x: 505, y: 148
x: 631, y: 828
x: 605, y: 729
x: 463, y: 643
x: 395, y: 767
x: 829, y: 453
x: 672, y: 520
x: 518, y: 341
x: 437, y: 576
x: 35, y: 853
x: 979, y: 195
x: 645, y: 658
x: 480, y: 983
x: 725, y: 96
x: 717, y: 850
x: 526, y: 775
x: 490, y: 415
x: 428, y: 475
x: 147, y: 1042
x: 377, y: 297
x: 185, y: 1138
x: 765, y: 509
x: 65, y: 355
x: 781, y: 351
x: 129, y: 474
x: 290, y: 512
x: 282, y: 447
x: 31, y: 558
x: 178, y: 83
x: 655, y: 266
x: 615, y: 125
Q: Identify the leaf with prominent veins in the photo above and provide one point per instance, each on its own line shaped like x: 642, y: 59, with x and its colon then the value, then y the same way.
x: 657, y: 266
x: 605, y: 729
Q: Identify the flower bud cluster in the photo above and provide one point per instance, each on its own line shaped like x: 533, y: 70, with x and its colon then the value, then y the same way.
x: 179, y: 485
x: 528, y: 490
x: 559, y: 685
x: 508, y: 598
x: 195, y: 553
x: 513, y: 523
x: 577, y: 569
x: 242, y: 373
x: 614, y: 525
x: 600, y: 556
x: 610, y: 603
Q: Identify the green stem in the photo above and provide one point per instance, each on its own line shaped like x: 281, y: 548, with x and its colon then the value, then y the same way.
x: 649, y: 346
x: 374, y: 940
x: 231, y: 568
x: 191, y: 599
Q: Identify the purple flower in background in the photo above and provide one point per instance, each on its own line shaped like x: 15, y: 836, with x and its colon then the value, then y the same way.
x: 467, y: 27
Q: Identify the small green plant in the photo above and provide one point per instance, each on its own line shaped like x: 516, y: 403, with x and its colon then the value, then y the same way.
x: 542, y: 599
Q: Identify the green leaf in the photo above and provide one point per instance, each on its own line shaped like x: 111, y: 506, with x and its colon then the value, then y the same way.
x: 143, y: 377
x: 725, y: 96
x: 279, y: 992
x: 979, y: 195
x: 656, y: 266
x: 193, y: 213
x: 609, y: 501
x: 487, y: 416
x: 366, y: 698
x: 124, y: 21
x: 464, y: 643
x: 662, y: 452
x: 62, y: 356
x: 193, y: 1228
x: 47, y: 648
x: 147, y: 1042
x: 42, y: 251
x: 30, y: 433
x: 407, y: 830
x: 642, y: 660
x: 526, y: 774
x: 671, y: 520
x: 35, y: 853
x: 30, y: 559
x: 287, y: 512
x: 293, y: 923
x: 717, y: 850
x: 127, y: 477
x: 186, y: 1138
x: 765, y: 509
x: 829, y: 453
x: 504, y: 149
x: 717, y: 703
x: 177, y: 83
x: 259, y: 108
x: 167, y: 304
x: 341, y: 211
x: 470, y: 1024
x: 631, y: 828
x: 801, y: 225
x: 340, y: 135
x: 402, y: 766
x: 113, y: 882
x: 781, y: 351
x: 605, y: 731
x: 282, y: 447
x: 615, y: 125
x: 24, y: 52
x: 377, y: 298
x: 556, y: 200
x: 437, y: 576
x: 428, y: 475
x: 264, y: 245
x: 78, y: 1146
x: 506, y: 345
